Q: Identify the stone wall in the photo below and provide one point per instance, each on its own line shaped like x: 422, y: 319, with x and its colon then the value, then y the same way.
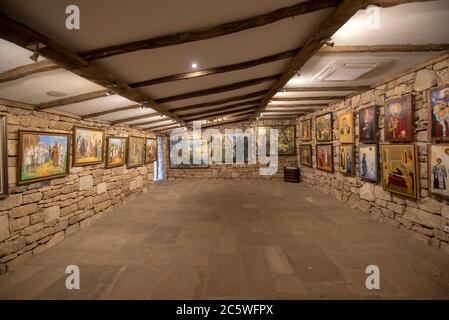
x: 233, y: 171
x: 423, y: 219
x: 35, y: 217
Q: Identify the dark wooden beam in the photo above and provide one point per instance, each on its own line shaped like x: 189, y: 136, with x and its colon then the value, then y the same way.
x: 142, y: 116
x: 149, y: 122
x: 23, y: 35
x: 289, y: 111
x: 219, y: 123
x: 186, y: 116
x: 217, y: 70
x: 296, y: 105
x: 163, y: 127
x: 220, y: 89
x: 321, y: 89
x: 344, y: 11
x: 227, y: 115
x: 221, y: 113
x: 210, y: 32
x: 220, y: 101
x: 393, y: 3
x: 239, y: 104
x: 74, y: 99
x: 28, y: 69
x: 307, y: 98
x: 386, y: 48
x: 102, y: 113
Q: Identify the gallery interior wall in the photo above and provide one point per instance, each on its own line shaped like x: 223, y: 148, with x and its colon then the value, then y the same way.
x: 423, y: 219
x: 234, y: 171
x: 36, y: 216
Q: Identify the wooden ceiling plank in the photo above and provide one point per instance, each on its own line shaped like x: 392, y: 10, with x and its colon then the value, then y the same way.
x: 139, y: 117
x: 74, y: 99
x: 149, y: 122
x: 102, y: 113
x: 28, y: 69
x: 185, y: 116
x: 218, y: 108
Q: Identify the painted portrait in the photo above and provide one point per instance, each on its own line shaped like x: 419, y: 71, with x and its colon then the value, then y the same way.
x: 368, y: 125
x: 398, y: 117
x: 305, y: 155
x: 324, y: 157
x: 438, y: 162
x: 347, y: 159
x: 42, y: 156
x: 150, y: 150
x: 115, y: 151
x: 3, y: 158
x: 439, y: 113
x: 345, y: 127
x: 136, y: 151
x: 399, y: 171
x: 323, y: 127
x: 368, y: 162
x: 87, y: 146
x: 306, y: 130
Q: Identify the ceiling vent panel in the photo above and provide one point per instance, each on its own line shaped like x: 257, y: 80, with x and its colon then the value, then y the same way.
x: 348, y: 70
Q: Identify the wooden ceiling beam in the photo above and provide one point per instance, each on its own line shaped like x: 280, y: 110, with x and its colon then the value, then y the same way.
x: 218, y: 123
x: 217, y: 70
x: 386, y: 48
x: 393, y: 3
x: 220, y: 89
x: 324, y: 89
x: 28, y: 69
x: 239, y: 104
x: 228, y: 115
x: 142, y: 116
x: 289, y: 111
x: 293, y: 99
x: 220, y: 113
x: 297, y: 105
x: 163, y: 127
x: 210, y: 32
x: 74, y: 99
x: 344, y: 11
x: 149, y: 122
x: 213, y: 112
x: 102, y: 113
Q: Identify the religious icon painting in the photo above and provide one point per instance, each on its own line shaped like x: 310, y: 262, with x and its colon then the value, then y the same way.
x: 398, y: 124
x: 325, y: 157
x: 345, y: 127
x: 323, y: 127
x: 368, y: 162
x: 305, y: 155
x: 306, y: 130
x: 439, y: 113
x: 87, y: 146
x: 368, y: 124
x: 438, y: 162
x: 347, y: 159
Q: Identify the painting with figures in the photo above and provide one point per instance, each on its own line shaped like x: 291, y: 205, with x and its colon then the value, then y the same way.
x: 3, y: 158
x: 347, y: 159
x: 42, y: 156
x: 87, y: 146
x: 399, y: 171
x: 286, y: 139
x: 345, y: 127
x: 115, y: 151
x: 439, y: 113
x: 368, y: 124
x: 306, y: 130
x: 305, y: 155
x: 398, y: 119
x: 325, y: 157
x: 368, y: 162
x: 151, y: 150
x: 136, y: 150
x: 323, y: 127
x: 438, y: 162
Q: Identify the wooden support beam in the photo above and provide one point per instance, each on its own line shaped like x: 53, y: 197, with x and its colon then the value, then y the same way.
x: 221, y: 113
x: 344, y: 11
x: 210, y: 32
x: 163, y: 127
x: 307, y: 99
x: 74, y: 99
x: 228, y: 115
x: 142, y: 116
x: 102, y: 113
x: 296, y: 105
x: 224, y: 109
x: 220, y: 89
x: 220, y: 101
x: 289, y: 111
x: 386, y: 48
x: 219, y: 123
x: 239, y: 104
x: 324, y: 89
x: 149, y: 122
x: 217, y: 70
x: 393, y: 3
x: 28, y: 69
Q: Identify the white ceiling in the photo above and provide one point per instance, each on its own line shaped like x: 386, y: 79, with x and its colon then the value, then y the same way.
x: 13, y: 56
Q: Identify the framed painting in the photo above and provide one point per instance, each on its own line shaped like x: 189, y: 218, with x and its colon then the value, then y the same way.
x: 305, y: 155
x: 347, y: 159
x: 286, y: 139
x: 136, y: 152
x: 368, y: 162
x: 188, y: 153
x: 42, y: 156
x: 325, y: 157
x: 345, y: 127
x: 306, y: 130
x: 199, y: 152
x: 368, y: 125
x: 398, y: 117
x: 115, y: 151
x: 439, y: 113
x: 3, y: 158
x: 87, y: 146
x: 399, y: 169
x: 150, y: 150
x: 323, y: 127
x: 438, y: 163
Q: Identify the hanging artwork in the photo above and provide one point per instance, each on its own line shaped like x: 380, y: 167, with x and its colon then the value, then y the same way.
x: 188, y: 153
x: 438, y: 162
x: 345, y: 127
x: 3, y: 158
x: 87, y: 146
x: 368, y: 125
x: 42, y: 156
x: 306, y: 130
x: 305, y: 155
x: 324, y: 157
x: 323, y: 127
x: 136, y: 151
x: 151, y: 150
x: 368, y: 162
x: 439, y: 113
x: 398, y: 124
x: 286, y: 139
x: 399, y: 172
x: 115, y: 151
x: 347, y: 159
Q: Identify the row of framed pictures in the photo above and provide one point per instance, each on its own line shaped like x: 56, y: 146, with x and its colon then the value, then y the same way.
x: 45, y: 155
x: 398, y: 121
x: 398, y: 171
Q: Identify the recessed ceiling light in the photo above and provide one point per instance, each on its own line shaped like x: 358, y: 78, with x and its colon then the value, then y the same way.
x: 57, y: 94
x: 194, y: 65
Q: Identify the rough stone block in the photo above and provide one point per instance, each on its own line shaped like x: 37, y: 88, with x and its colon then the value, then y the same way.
x: 52, y: 213
x: 423, y: 217
x: 86, y: 182
x: 366, y: 192
x: 22, y: 211
x: 425, y: 79
x: 102, y: 187
x: 4, y: 227
x: 19, y: 224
